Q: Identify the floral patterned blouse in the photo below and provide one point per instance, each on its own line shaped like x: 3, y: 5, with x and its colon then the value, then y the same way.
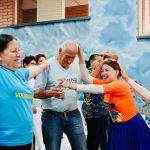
x: 93, y: 106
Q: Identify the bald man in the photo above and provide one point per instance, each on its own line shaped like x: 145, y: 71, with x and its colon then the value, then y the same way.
x: 60, y: 110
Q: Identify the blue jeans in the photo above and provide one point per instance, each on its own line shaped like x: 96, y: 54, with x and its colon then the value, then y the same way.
x: 55, y: 125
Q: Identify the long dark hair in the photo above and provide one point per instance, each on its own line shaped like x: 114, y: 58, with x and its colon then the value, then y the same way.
x: 4, y: 40
x: 114, y: 65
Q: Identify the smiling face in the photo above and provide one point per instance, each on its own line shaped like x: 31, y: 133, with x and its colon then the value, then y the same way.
x: 111, y: 71
x: 109, y: 74
x: 96, y: 62
x: 11, y: 55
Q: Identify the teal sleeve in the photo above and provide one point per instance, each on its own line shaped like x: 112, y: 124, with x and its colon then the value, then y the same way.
x: 24, y: 73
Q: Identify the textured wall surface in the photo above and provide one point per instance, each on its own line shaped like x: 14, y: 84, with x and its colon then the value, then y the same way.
x: 113, y: 25
x: 6, y: 12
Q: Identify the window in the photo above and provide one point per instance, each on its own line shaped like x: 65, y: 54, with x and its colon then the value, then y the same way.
x: 143, y: 17
x: 29, y: 11
x: 76, y: 8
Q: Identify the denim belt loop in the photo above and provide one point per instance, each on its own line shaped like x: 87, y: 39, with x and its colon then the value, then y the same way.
x: 65, y: 114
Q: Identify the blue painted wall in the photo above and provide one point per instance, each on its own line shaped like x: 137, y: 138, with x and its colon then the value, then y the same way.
x: 113, y: 25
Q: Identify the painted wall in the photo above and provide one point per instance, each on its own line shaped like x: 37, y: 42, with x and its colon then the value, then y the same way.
x: 113, y: 25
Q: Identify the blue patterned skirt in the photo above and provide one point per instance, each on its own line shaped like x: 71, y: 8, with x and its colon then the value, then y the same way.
x: 131, y: 135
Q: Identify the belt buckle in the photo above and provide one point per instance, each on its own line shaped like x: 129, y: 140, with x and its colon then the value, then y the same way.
x: 65, y: 113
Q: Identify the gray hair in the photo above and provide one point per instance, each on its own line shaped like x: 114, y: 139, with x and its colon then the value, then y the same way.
x: 68, y: 44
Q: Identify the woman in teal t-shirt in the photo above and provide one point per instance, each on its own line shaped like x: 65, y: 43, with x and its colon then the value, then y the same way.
x: 16, y: 122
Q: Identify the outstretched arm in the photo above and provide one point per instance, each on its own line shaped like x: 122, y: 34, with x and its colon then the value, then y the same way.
x: 111, y: 56
x: 88, y: 88
x: 140, y: 90
x: 36, y: 70
x: 108, y: 54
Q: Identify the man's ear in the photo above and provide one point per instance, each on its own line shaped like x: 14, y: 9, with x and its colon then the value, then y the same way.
x: 60, y: 50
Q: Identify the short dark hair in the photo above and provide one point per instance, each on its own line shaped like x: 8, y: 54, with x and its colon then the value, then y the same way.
x: 28, y: 59
x: 39, y: 56
x: 92, y: 57
x: 114, y: 65
x: 4, y: 40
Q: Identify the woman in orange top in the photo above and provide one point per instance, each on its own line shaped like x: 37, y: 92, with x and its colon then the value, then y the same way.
x: 128, y: 130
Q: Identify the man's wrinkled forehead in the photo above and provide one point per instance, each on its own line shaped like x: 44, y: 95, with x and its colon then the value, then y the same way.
x: 70, y: 53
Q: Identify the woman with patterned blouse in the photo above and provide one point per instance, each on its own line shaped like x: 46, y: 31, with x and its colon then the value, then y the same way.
x: 96, y: 115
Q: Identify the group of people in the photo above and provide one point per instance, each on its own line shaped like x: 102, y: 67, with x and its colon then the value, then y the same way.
x: 113, y: 121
